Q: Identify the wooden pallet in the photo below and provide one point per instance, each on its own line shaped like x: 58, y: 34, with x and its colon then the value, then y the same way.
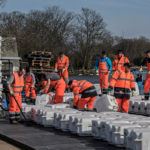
x: 40, y: 63
x: 41, y: 54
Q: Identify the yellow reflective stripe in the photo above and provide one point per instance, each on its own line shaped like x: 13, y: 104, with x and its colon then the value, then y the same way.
x: 17, y: 91
x: 76, y: 93
x: 82, y: 84
x: 125, y: 79
x: 17, y: 86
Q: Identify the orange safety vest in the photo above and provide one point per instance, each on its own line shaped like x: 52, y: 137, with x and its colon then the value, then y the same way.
x: 82, y: 84
x: 103, y: 67
x: 122, y: 83
x: 18, y: 83
x: 28, y: 79
x: 62, y: 63
x: 118, y: 63
x: 55, y: 83
x: 122, y: 80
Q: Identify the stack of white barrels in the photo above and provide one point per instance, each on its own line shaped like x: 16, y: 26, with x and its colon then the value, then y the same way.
x: 120, y: 129
x: 1, y: 86
x: 139, y: 107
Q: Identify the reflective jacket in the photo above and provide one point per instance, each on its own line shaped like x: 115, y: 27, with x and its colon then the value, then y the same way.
x: 83, y: 87
x: 105, y: 65
x: 55, y: 83
x: 29, y: 79
x: 18, y: 83
x: 62, y: 63
x: 118, y: 64
x: 123, y: 83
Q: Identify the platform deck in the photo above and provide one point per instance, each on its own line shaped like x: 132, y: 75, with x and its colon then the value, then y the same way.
x: 40, y: 138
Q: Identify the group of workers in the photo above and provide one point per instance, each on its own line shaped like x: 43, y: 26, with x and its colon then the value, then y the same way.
x: 122, y: 83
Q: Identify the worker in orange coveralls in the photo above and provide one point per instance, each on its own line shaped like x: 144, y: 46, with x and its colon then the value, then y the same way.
x: 105, y: 67
x: 88, y: 94
x: 30, y: 92
x: 15, y: 86
x: 123, y: 83
x: 146, y: 62
x: 58, y: 84
x: 119, y: 61
x: 61, y: 66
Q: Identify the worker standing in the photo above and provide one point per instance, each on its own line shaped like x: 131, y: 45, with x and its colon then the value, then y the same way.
x: 105, y: 67
x: 123, y: 83
x: 30, y: 92
x: 87, y: 91
x: 15, y: 86
x: 58, y: 84
x: 146, y: 62
x: 61, y: 66
x: 119, y: 61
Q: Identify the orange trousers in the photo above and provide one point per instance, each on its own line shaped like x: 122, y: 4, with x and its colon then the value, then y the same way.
x: 123, y: 105
x: 59, y: 92
x: 29, y: 91
x: 86, y: 103
x: 147, y: 85
x: 13, y: 107
x: 103, y: 79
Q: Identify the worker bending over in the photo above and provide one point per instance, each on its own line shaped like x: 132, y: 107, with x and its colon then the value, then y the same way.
x: 61, y: 66
x: 54, y: 81
x: 146, y: 62
x: 30, y: 92
x: 105, y: 66
x: 119, y: 61
x: 123, y: 83
x: 87, y: 91
x: 15, y: 86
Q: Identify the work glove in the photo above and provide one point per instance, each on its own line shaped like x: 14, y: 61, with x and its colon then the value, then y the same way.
x: 110, y: 90
x: 32, y: 86
x: 97, y: 71
x: 63, y: 70
x: 141, y: 69
x: 12, y: 93
x: 56, y: 70
x: 134, y: 93
x: 41, y: 92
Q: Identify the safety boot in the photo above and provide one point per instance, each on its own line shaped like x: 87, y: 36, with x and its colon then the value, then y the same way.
x: 146, y: 98
x: 12, y: 119
x: 17, y: 116
x: 13, y: 122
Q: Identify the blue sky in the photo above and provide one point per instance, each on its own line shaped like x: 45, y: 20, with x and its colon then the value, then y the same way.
x: 128, y: 18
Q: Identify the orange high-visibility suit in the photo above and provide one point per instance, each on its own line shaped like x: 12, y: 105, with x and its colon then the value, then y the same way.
x: 30, y: 86
x: 62, y: 65
x: 17, y: 84
x: 88, y: 94
x: 58, y: 84
x: 105, y: 66
x: 123, y: 83
x: 147, y: 81
x: 118, y: 63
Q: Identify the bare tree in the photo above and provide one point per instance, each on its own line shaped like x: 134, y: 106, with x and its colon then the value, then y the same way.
x: 89, y: 32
